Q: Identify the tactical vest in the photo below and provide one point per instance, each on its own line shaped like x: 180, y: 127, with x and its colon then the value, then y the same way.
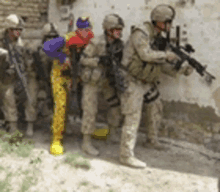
x: 146, y: 72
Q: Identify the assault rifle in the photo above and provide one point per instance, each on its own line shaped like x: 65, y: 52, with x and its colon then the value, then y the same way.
x: 75, y: 71
x: 77, y: 85
x: 183, y: 52
x: 113, y: 72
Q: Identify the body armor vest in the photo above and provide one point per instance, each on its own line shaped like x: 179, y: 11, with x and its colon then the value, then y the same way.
x: 144, y: 71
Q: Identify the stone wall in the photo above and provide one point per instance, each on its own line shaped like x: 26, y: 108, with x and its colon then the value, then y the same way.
x: 33, y: 12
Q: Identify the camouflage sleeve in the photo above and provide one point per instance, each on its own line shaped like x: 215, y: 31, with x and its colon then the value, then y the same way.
x: 141, y: 44
x: 89, y: 57
x: 3, y: 57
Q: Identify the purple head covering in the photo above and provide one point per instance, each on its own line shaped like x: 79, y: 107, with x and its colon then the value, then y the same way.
x: 83, y: 23
x: 51, y: 48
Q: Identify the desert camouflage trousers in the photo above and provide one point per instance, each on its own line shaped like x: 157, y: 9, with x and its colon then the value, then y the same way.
x: 152, y: 117
x: 44, y: 96
x: 90, y: 106
x: 44, y: 100
x: 131, y: 106
x: 9, y: 98
x: 60, y: 87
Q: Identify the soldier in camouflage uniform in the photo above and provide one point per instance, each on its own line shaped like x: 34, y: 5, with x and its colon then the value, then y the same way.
x: 49, y: 31
x: 95, y: 61
x: 9, y: 83
x: 142, y: 64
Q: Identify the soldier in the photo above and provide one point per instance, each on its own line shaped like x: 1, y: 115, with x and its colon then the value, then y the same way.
x: 95, y: 76
x: 17, y: 71
x: 61, y: 76
x: 142, y: 64
x: 44, y: 64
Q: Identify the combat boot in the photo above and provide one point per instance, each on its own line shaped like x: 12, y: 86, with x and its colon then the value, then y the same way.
x: 30, y: 129
x: 154, y: 144
x: 114, y: 136
x: 56, y: 147
x: 132, y: 162
x: 87, y: 145
x: 13, y: 126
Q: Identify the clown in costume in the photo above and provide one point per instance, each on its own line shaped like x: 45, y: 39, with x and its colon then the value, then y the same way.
x: 59, y: 48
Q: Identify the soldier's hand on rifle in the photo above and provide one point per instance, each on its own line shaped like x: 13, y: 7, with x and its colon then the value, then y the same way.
x: 186, y: 69
x: 105, y: 60
x: 66, y: 64
x: 172, y: 57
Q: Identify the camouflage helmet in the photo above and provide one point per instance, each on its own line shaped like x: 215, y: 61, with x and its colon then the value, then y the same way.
x: 112, y: 21
x: 13, y: 21
x: 50, y: 29
x: 162, y: 13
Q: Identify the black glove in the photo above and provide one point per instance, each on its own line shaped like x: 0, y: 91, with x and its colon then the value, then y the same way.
x: 105, y: 60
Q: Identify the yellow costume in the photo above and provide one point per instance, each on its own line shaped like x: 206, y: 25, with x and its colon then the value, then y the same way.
x: 61, y: 85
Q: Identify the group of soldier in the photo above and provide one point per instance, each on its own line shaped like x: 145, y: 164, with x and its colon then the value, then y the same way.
x: 124, y: 73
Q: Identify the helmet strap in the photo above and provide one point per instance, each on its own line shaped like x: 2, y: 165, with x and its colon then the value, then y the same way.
x: 155, y: 25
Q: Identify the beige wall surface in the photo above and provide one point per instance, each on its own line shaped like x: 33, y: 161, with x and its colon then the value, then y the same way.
x: 200, y: 18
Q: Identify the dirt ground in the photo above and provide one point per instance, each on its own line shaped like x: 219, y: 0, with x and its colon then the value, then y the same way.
x: 173, y: 170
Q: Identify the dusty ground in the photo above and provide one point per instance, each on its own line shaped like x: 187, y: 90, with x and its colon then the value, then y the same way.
x: 174, y: 170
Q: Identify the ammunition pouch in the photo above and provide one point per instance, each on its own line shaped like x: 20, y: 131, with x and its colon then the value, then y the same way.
x: 143, y: 71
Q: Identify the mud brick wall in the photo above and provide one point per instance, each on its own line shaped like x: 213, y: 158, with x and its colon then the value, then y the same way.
x: 33, y: 12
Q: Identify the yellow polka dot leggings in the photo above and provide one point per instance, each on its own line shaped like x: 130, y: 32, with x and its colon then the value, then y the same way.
x: 60, y: 87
